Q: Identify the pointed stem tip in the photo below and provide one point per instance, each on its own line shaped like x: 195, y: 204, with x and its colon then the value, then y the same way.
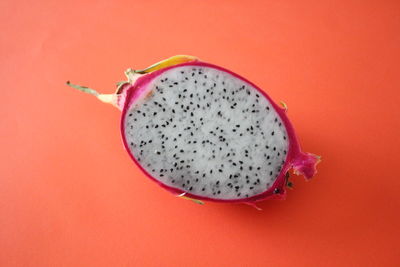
x: 106, y: 98
x: 83, y: 89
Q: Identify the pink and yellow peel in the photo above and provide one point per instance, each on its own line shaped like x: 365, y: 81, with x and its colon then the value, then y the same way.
x: 302, y: 163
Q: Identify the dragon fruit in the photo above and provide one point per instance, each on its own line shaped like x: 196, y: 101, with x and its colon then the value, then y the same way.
x: 205, y: 133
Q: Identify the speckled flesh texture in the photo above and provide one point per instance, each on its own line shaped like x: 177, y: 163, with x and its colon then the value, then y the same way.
x: 201, y: 130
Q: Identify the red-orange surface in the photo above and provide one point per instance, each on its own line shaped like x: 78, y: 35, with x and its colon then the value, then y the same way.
x: 70, y: 195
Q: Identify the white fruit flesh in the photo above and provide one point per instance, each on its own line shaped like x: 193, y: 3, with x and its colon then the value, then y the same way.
x: 208, y: 133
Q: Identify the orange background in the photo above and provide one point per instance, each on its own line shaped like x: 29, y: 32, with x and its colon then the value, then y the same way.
x: 70, y: 195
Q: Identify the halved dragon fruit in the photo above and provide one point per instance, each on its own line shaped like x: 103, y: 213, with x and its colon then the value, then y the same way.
x: 205, y: 133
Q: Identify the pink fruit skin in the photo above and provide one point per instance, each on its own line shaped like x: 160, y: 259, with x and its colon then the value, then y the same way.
x: 301, y: 162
